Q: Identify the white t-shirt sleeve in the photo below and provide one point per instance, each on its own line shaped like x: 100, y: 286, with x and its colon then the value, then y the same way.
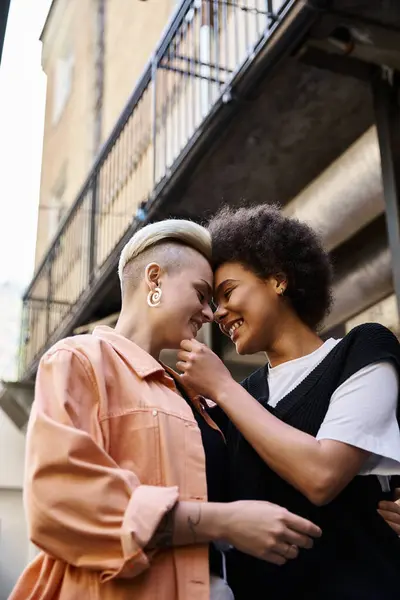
x: 362, y: 413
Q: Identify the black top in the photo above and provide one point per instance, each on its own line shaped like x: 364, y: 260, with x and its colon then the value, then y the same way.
x: 358, y: 555
x: 216, y: 469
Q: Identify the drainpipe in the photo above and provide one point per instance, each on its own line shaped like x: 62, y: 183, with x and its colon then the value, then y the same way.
x: 205, y: 55
x: 99, y: 52
x: 364, y: 285
x: 347, y: 196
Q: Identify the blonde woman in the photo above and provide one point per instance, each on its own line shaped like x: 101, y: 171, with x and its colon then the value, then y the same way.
x: 116, y: 477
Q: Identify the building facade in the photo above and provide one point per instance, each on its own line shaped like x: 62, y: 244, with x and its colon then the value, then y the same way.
x: 94, y: 51
x: 156, y: 109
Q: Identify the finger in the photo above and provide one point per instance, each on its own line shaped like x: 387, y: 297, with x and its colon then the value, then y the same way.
x: 190, y: 345
x: 187, y: 345
x: 288, y: 551
x: 275, y: 559
x: 302, y: 541
x: 397, y: 494
x: 183, y: 355
x: 182, y: 366
x: 302, y: 526
x: 392, y: 507
x: 390, y: 516
x: 394, y: 524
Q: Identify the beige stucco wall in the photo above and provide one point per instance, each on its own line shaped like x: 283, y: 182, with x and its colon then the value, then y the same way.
x: 67, y: 150
x: 132, y: 31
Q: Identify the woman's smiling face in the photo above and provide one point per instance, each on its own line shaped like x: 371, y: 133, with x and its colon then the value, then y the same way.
x: 248, y: 308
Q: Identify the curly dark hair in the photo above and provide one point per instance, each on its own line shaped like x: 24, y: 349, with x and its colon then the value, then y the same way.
x: 262, y: 239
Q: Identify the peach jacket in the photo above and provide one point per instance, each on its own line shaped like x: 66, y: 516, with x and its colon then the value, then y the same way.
x: 111, y: 446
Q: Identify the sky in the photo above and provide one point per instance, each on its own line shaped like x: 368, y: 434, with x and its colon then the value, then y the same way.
x: 22, y: 103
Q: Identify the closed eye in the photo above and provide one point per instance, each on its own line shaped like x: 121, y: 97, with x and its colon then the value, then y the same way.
x: 227, y: 293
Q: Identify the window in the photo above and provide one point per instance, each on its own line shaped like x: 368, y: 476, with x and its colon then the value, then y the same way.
x: 62, y: 83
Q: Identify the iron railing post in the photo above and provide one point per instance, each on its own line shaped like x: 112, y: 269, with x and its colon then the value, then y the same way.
x: 49, y: 294
x: 23, y: 338
x: 93, y: 229
x: 154, y: 64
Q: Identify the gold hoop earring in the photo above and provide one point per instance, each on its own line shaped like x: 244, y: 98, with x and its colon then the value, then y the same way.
x: 154, y: 297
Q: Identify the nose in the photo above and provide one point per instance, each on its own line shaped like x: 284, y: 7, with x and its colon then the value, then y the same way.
x: 219, y: 314
x: 208, y: 314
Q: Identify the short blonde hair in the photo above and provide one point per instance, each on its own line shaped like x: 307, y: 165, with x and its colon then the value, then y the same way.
x: 185, y: 232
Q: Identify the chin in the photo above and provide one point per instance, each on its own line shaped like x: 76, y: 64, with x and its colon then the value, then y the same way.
x: 174, y: 343
x: 242, y: 348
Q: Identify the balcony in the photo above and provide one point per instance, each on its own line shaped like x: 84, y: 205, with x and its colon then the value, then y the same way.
x: 174, y: 149
x: 189, y: 77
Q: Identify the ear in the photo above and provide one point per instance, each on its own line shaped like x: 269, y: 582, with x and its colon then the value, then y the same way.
x: 152, y: 275
x: 280, y: 283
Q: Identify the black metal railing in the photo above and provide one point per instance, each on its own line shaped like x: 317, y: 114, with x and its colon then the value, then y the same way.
x: 204, y: 47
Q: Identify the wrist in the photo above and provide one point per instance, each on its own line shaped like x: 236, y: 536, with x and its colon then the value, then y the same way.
x: 202, y: 522
x: 226, y: 521
x: 224, y: 391
x: 218, y: 518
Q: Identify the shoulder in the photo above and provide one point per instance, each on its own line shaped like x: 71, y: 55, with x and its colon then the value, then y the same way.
x: 374, y: 341
x: 369, y: 344
x: 374, y: 335
x: 78, y: 352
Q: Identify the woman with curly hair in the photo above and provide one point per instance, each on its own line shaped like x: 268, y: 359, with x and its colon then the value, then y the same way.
x: 317, y: 428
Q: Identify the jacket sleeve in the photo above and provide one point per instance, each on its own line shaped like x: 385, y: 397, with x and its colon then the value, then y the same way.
x: 81, y: 507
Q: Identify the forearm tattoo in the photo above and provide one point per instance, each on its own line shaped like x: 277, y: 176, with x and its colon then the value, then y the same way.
x: 193, y: 522
x: 163, y: 536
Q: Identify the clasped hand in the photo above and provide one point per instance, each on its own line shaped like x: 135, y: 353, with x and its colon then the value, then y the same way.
x: 202, y: 369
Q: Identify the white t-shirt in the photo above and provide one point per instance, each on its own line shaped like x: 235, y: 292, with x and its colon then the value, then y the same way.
x: 362, y: 411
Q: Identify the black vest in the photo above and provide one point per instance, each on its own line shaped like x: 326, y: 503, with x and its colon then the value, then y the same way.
x: 358, y: 555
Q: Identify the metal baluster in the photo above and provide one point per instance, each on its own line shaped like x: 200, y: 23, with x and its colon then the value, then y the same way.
x: 154, y: 117
x: 236, y: 33
x: 224, y: 31
x: 246, y: 17
x: 216, y: 37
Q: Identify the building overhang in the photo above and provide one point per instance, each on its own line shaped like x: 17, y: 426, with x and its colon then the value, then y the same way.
x: 16, y: 400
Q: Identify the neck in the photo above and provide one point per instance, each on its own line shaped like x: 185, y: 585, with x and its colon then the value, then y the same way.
x: 294, y: 340
x: 135, y: 329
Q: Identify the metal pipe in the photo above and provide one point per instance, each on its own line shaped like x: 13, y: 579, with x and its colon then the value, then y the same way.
x: 347, y: 196
x: 99, y: 76
x: 364, y: 285
x: 344, y: 199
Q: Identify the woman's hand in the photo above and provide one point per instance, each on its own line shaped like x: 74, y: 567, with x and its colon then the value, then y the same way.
x: 390, y: 511
x: 268, y: 531
x: 261, y: 529
x: 201, y: 369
